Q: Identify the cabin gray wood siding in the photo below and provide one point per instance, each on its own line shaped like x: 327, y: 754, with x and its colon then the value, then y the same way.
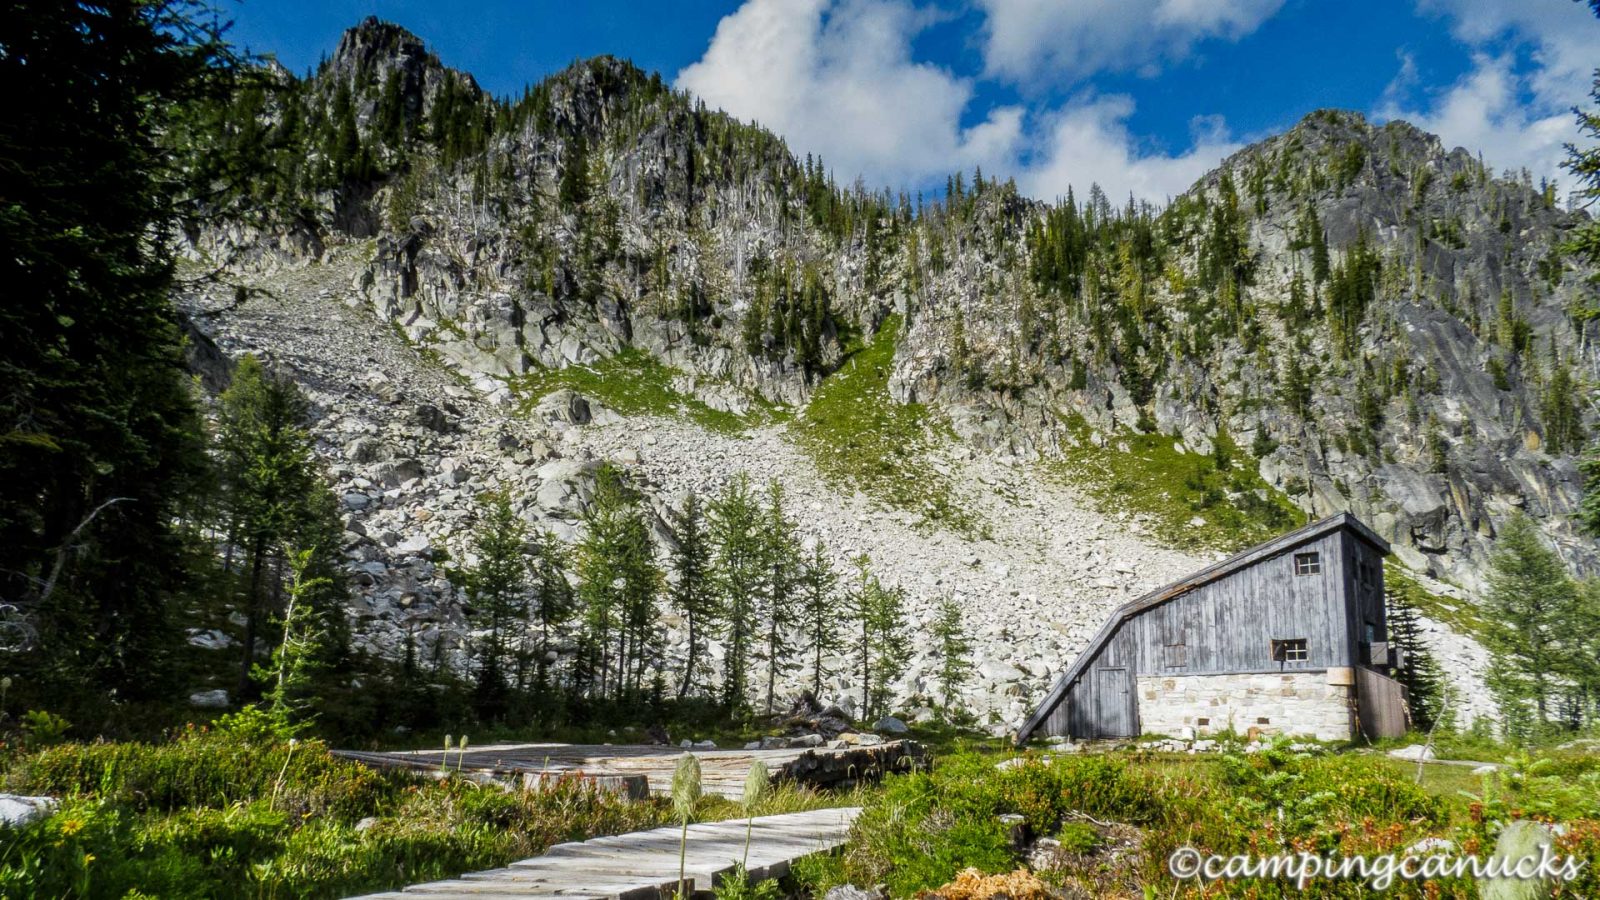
x: 1227, y: 625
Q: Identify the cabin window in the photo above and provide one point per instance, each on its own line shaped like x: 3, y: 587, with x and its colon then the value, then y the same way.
x: 1293, y: 650
x: 1307, y: 563
x: 1177, y: 656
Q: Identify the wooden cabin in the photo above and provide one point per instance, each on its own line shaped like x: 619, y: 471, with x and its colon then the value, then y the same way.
x: 1288, y: 637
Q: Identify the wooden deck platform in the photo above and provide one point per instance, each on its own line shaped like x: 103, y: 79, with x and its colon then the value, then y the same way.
x: 639, y: 770
x: 643, y: 865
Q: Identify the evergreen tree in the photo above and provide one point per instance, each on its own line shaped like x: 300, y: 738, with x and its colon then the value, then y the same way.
x: 881, y: 651
x: 1530, y: 601
x: 693, y: 592
x: 1563, y: 418
x: 954, y: 648
x: 890, y: 646
x: 1418, y: 670
x: 1589, y: 508
x: 497, y: 588
x: 290, y: 678
x: 553, y: 601
x: 1584, y: 164
x: 735, y: 519
x: 819, y: 611
x: 619, y: 583
x: 780, y: 552
x: 272, y: 490
x: 102, y: 460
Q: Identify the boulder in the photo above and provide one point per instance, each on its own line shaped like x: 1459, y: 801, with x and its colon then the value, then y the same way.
x: 1520, y: 840
x: 890, y: 725
x: 214, y: 699
x: 210, y: 639
x: 431, y: 417
x: 1414, y: 752
x: 564, y: 406
x: 17, y: 810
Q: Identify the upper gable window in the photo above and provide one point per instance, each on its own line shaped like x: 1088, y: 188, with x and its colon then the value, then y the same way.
x: 1307, y: 563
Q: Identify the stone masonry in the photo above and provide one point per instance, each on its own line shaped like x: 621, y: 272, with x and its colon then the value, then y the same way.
x: 1308, y: 704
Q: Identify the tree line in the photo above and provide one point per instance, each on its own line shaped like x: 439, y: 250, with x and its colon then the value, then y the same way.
x: 561, y: 628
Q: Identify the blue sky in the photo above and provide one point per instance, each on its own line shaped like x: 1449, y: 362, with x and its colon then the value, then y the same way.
x: 1141, y: 96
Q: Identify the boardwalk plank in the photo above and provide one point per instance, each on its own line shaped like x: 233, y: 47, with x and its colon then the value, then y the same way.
x: 644, y: 865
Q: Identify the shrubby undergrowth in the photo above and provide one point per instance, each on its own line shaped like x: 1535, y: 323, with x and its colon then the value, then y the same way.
x: 926, y: 828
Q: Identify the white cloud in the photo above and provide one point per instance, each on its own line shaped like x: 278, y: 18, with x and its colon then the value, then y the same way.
x: 1027, y: 39
x: 1088, y: 142
x: 1517, y: 116
x: 837, y: 78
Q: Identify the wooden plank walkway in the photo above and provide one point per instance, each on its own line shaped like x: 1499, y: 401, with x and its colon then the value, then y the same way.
x: 636, y: 770
x: 643, y: 865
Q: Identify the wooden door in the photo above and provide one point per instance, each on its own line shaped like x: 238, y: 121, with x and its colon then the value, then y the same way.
x: 1113, y: 688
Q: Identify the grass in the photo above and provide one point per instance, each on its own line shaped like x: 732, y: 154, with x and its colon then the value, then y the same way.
x: 211, y: 813
x: 633, y: 382
x: 859, y: 437
x: 1194, y: 501
x: 1119, y: 816
x: 1460, y: 616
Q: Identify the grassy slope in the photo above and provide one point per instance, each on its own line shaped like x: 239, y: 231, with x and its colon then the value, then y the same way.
x: 634, y: 383
x: 860, y: 438
x: 1192, y: 504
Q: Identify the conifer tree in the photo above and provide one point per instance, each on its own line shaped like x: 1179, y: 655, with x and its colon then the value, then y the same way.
x: 693, y: 593
x: 1559, y: 409
x: 553, y: 600
x: 780, y: 552
x: 735, y: 519
x: 102, y: 459
x: 1529, y: 602
x: 1589, y: 508
x: 954, y: 646
x: 819, y: 611
x: 619, y: 584
x: 1418, y: 670
x: 271, y: 488
x: 890, y: 645
x: 880, y: 642
x: 497, y: 588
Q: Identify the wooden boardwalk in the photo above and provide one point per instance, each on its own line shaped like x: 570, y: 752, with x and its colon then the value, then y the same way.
x: 638, y: 770
x: 643, y: 865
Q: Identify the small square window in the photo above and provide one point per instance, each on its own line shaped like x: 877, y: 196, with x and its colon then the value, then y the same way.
x: 1203, y: 722
x: 1290, y: 651
x: 1177, y: 656
x: 1307, y: 563
x: 1263, y: 720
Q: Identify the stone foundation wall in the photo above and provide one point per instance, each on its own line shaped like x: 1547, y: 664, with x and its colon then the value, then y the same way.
x: 1312, y: 704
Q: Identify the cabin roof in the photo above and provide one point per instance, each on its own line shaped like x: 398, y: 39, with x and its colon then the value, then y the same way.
x: 1213, y: 572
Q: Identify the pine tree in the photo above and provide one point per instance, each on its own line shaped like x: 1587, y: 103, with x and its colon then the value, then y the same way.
x: 736, y: 535
x: 1418, y: 671
x: 1529, y: 602
x: 890, y: 645
x: 819, y: 612
x: 497, y: 588
x: 1589, y: 508
x: 102, y: 459
x: 863, y: 601
x: 693, y: 592
x: 618, y: 587
x: 271, y: 488
x: 1558, y: 408
x: 954, y: 647
x: 780, y: 552
x: 553, y: 600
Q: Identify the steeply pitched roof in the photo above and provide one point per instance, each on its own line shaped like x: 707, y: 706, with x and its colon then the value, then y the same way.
x: 1183, y: 586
